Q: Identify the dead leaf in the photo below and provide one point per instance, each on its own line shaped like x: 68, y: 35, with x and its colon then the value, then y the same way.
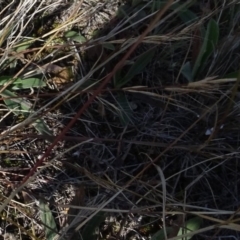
x: 78, y: 200
x: 205, y: 7
x: 176, y: 226
x: 101, y: 110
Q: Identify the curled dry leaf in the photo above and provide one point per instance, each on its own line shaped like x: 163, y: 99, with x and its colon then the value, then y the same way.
x: 26, y: 197
x: 61, y: 75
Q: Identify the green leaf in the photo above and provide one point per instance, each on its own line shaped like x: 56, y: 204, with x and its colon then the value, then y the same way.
x: 187, y: 71
x: 15, y: 104
x: 20, y: 46
x: 125, y: 113
x: 117, y: 77
x: 209, y: 44
x: 28, y: 83
x: 42, y: 128
x: 142, y: 61
x: 122, y: 11
x: 75, y: 36
x: 192, y: 225
x: 213, y: 35
x: 160, y: 234
x: 231, y: 75
x: 89, y: 230
x: 21, y: 106
x: 4, y: 79
x: 23, y: 45
x: 20, y: 83
x: 109, y: 46
x: 136, y: 2
x: 156, y: 5
x: 47, y: 218
x: 187, y: 16
x: 96, y: 33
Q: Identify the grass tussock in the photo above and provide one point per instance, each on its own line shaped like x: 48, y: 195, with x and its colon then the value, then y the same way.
x: 119, y: 120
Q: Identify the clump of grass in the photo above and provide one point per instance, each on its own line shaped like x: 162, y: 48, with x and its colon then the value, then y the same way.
x: 127, y: 129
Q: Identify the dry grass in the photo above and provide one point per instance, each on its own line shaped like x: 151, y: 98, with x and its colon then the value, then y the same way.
x: 134, y: 131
